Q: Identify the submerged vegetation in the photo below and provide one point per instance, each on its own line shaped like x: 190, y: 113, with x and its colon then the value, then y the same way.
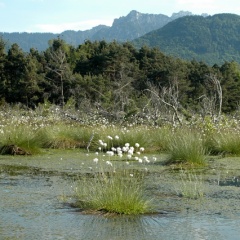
x: 191, y: 185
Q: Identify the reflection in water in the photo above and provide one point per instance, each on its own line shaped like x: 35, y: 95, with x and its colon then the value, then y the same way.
x: 160, y: 227
x: 30, y: 210
x: 119, y: 227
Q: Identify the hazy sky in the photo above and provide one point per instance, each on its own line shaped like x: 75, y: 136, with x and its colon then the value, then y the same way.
x: 59, y: 15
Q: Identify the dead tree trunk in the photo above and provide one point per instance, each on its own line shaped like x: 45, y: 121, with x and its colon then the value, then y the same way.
x: 169, y: 96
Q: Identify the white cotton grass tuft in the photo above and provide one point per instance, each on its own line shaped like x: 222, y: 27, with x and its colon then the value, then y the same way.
x: 109, y: 163
x: 137, y: 145
x: 105, y: 145
x: 154, y: 159
x: 141, y: 149
x: 109, y: 137
x: 110, y: 153
x: 127, y: 145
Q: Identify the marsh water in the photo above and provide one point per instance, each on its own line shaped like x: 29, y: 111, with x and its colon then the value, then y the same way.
x: 33, y: 205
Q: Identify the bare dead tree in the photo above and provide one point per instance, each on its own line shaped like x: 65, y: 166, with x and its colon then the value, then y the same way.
x: 122, y: 93
x: 214, y: 98
x: 207, y: 106
x: 169, y: 96
x: 59, y: 66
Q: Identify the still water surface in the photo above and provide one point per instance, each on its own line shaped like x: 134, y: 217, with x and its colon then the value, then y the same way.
x: 30, y: 209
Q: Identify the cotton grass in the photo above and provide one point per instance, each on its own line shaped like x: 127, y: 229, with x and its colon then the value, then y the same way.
x: 114, y: 187
x: 119, y: 192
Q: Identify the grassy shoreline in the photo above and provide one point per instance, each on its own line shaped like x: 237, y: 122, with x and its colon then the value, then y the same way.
x: 112, y: 154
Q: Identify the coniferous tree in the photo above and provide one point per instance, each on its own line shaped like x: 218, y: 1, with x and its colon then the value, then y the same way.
x: 15, y: 72
x: 2, y: 71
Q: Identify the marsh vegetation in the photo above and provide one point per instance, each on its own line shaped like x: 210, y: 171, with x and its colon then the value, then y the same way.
x: 120, y: 153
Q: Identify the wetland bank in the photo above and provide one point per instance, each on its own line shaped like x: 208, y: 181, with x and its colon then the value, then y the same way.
x: 190, y: 173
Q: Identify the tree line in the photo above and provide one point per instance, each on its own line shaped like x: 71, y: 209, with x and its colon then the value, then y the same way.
x: 118, y: 79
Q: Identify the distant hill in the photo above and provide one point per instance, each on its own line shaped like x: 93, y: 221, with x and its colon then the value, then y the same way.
x: 212, y: 39
x: 126, y: 28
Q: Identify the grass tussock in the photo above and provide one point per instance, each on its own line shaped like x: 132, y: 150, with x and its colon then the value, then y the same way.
x: 119, y: 192
x: 48, y: 127
x: 187, y: 147
x: 62, y: 136
x: 227, y: 143
x: 190, y: 185
x: 160, y: 138
x: 23, y: 137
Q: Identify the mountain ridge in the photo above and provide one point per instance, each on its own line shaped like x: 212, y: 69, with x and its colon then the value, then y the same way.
x: 125, y: 28
x: 212, y: 39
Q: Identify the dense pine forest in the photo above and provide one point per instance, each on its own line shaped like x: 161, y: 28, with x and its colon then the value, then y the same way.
x: 117, y: 80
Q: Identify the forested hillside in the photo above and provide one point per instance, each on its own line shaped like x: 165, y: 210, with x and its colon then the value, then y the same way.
x: 117, y: 80
x: 212, y: 39
x: 125, y: 28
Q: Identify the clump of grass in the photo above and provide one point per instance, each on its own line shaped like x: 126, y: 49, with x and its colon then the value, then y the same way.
x: 226, y: 143
x: 191, y: 185
x: 186, y: 147
x: 160, y: 137
x: 23, y: 137
x: 64, y: 136
x: 114, y: 188
x: 119, y: 192
x: 122, y: 135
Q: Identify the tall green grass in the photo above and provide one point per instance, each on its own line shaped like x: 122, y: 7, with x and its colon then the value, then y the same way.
x: 33, y: 130
x: 190, y: 185
x: 160, y: 138
x: 186, y: 147
x: 33, y: 139
x: 22, y: 136
x: 225, y: 143
x: 119, y: 192
x: 65, y: 136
